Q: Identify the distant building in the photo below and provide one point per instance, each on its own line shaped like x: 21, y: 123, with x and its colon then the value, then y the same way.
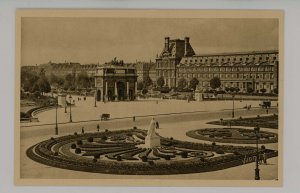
x: 62, y: 69
x: 145, y: 69
x: 115, y: 82
x: 255, y: 70
x: 170, y: 57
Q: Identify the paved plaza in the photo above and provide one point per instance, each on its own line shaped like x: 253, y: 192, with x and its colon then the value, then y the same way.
x: 84, y: 110
x: 178, y: 118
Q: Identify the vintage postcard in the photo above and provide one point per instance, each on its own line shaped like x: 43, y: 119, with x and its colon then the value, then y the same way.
x: 149, y: 97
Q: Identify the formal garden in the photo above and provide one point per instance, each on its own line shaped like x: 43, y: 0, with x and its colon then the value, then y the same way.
x: 266, y: 121
x: 123, y: 152
x: 233, y: 135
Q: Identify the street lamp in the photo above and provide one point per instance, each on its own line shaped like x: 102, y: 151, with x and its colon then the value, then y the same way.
x: 70, y: 97
x: 256, y: 131
x: 232, y: 106
x: 95, y: 99
x: 56, y: 125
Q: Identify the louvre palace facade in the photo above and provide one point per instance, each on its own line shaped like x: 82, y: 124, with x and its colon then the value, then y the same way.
x: 256, y: 70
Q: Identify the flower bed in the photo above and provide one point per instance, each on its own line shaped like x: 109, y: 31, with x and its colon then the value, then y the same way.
x: 132, y: 160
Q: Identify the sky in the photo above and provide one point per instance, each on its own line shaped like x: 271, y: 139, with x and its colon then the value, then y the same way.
x: 98, y: 40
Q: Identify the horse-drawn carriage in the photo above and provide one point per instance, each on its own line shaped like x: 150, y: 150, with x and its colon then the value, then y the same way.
x: 104, y: 117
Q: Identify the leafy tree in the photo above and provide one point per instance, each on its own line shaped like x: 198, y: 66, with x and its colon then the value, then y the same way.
x: 28, y: 79
x: 215, y: 82
x: 193, y: 83
x: 181, y: 83
x: 263, y: 90
x: 43, y: 85
x: 160, y: 82
x: 69, y: 81
x: 56, y: 81
x: 140, y: 85
x: 250, y: 90
x: 147, y: 81
x: 144, y: 91
x: 83, y: 80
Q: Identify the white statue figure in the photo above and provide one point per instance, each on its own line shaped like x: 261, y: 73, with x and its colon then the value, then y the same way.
x: 152, y: 139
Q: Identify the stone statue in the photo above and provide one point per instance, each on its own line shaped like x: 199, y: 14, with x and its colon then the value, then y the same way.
x: 152, y: 139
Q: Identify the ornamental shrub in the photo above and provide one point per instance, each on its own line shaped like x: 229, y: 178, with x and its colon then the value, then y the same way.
x: 96, y: 156
x: 95, y: 160
x: 184, y: 154
x: 167, y: 157
x: 104, y: 137
x: 77, y: 150
x: 75, y: 133
x: 119, y: 158
x: 144, y: 158
x: 106, y: 130
x: 90, y: 139
x: 73, y: 146
x: 56, y: 153
x: 220, y: 151
x: 151, y: 162
x: 79, y: 142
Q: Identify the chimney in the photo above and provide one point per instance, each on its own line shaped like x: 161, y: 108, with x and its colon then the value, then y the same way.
x: 167, y: 41
x: 186, y: 43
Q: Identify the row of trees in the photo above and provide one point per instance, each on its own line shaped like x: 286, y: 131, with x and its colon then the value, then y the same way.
x: 71, y: 81
x: 32, y: 81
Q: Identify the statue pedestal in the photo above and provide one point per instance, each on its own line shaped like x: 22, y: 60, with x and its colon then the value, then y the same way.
x: 152, y: 141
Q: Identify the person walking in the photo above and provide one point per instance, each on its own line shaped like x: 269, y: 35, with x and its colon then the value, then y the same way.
x: 98, y: 127
x: 82, y: 130
x: 157, y: 125
x: 265, y: 158
x: 133, y: 118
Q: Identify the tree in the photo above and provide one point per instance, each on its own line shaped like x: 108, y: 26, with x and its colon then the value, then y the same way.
x: 144, y: 91
x: 28, y: 79
x: 250, y: 90
x: 83, y: 80
x: 69, y: 81
x: 43, y: 85
x: 147, y: 81
x: 140, y: 85
x: 160, y: 82
x: 182, y: 83
x: 56, y: 81
x: 193, y: 83
x: 263, y: 90
x: 215, y: 82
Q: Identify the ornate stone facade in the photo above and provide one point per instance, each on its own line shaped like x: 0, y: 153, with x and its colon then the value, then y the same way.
x: 115, y: 83
x: 256, y: 70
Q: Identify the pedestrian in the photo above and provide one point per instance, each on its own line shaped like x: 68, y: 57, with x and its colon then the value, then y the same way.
x: 98, y: 127
x: 260, y: 158
x: 157, y: 125
x: 82, y: 130
x: 133, y: 118
x: 265, y: 158
x: 267, y: 111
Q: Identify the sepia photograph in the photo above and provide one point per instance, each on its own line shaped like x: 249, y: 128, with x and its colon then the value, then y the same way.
x: 149, y: 97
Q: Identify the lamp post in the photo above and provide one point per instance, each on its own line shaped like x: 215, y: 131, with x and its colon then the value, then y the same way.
x: 233, y: 106
x: 56, y: 125
x: 95, y: 99
x: 66, y: 105
x: 70, y: 97
x: 256, y: 131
